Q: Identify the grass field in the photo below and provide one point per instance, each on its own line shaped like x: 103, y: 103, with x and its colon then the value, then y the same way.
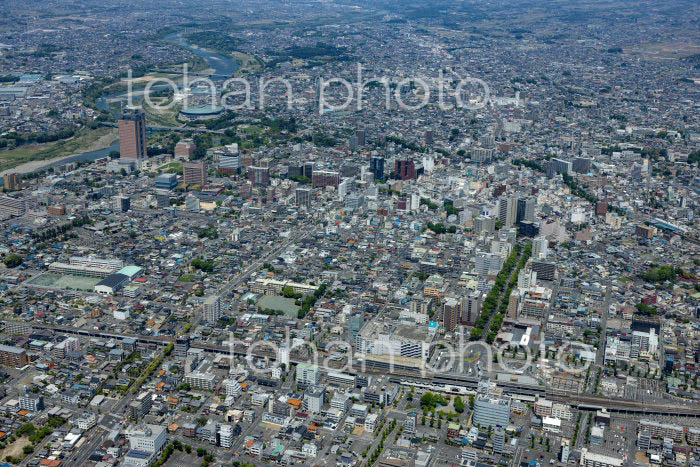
x: 65, y: 282
x: 83, y: 141
x: 247, y: 64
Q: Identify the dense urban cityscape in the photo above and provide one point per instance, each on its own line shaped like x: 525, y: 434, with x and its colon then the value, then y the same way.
x: 392, y: 233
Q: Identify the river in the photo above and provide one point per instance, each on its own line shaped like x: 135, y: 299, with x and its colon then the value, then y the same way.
x: 221, y: 64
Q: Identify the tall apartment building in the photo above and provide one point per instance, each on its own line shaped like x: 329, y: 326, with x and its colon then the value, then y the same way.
x: 139, y: 407
x: 471, y: 308
x: 195, y: 173
x: 259, y: 176
x: 303, y: 197
x: 12, y: 181
x: 540, y: 247
x: 13, y: 356
x: 507, y: 211
x: 483, y: 224
x: 487, y: 263
x: 451, y: 313
x: 355, y: 322
x: 132, y: 134
x: 31, y: 402
x: 212, y: 309
x: 182, y: 345
x: 562, y: 166
x: 325, y: 178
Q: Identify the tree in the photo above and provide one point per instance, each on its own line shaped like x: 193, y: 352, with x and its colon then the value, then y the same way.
x: 459, y: 405
x: 471, y: 401
x: 13, y: 260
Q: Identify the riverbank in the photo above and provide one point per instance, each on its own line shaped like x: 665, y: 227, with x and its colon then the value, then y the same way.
x: 32, y: 158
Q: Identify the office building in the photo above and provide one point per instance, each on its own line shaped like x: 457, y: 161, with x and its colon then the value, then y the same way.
x: 376, y: 166
x: 491, y: 411
x: 405, y: 169
x: 87, y: 420
x: 565, y: 451
x: 12, y: 206
x: 582, y: 165
x: 195, y: 173
x: 166, y: 181
x: 313, y: 399
x: 545, y: 271
x: 355, y: 322
x: 325, y: 178
x: 212, y: 309
x: 593, y: 459
x: 308, y: 375
x: 182, y: 345
x: 486, y: 264
x: 146, y: 438
x: 121, y: 203
x: 354, y: 201
x: 162, y: 198
x: 132, y: 134
x: 192, y: 203
x: 185, y: 149
x: 526, y: 210
x: 303, y: 197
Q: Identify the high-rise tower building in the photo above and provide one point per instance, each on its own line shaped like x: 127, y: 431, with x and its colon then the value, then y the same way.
x: 132, y: 134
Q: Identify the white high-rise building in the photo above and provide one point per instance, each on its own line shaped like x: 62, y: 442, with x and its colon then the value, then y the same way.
x: 527, y: 279
x: 540, y: 247
x: 233, y: 388
x: 226, y: 436
x: 283, y: 356
x: 308, y: 374
x: 212, y: 309
x: 146, y: 438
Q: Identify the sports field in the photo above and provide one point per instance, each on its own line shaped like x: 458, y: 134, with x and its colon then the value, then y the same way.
x: 65, y: 282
